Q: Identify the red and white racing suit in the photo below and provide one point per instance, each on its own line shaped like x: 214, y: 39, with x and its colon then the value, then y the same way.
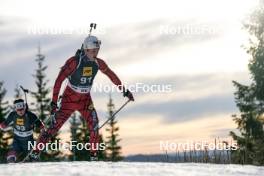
x: 76, y: 96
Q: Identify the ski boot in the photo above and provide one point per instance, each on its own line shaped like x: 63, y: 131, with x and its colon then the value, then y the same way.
x: 33, y: 157
x: 11, y: 159
x: 94, y: 157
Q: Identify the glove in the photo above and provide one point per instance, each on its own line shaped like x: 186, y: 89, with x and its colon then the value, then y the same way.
x: 128, y: 94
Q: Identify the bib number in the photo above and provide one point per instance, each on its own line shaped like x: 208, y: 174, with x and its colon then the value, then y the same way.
x: 20, y: 128
x: 84, y: 80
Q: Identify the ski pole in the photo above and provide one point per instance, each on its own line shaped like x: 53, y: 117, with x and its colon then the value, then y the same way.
x: 112, y: 117
x: 42, y: 123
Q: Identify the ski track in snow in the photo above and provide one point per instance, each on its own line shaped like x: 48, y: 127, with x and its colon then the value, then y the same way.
x: 127, y: 169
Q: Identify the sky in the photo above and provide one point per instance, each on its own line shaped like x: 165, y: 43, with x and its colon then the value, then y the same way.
x: 194, y: 47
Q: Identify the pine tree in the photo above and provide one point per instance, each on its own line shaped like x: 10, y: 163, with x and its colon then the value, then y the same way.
x: 42, y: 102
x: 75, y: 122
x: 42, y: 93
x: 113, y: 149
x: 101, y: 153
x: 4, y: 110
x: 250, y: 98
x: 80, y: 134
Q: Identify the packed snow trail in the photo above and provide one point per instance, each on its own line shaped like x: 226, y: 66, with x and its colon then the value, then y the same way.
x: 126, y: 169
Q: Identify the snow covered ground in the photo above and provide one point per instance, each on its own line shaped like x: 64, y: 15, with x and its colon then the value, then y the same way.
x: 126, y: 169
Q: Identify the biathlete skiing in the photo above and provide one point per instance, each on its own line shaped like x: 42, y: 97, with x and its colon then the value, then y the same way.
x: 80, y: 70
x: 23, y: 122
